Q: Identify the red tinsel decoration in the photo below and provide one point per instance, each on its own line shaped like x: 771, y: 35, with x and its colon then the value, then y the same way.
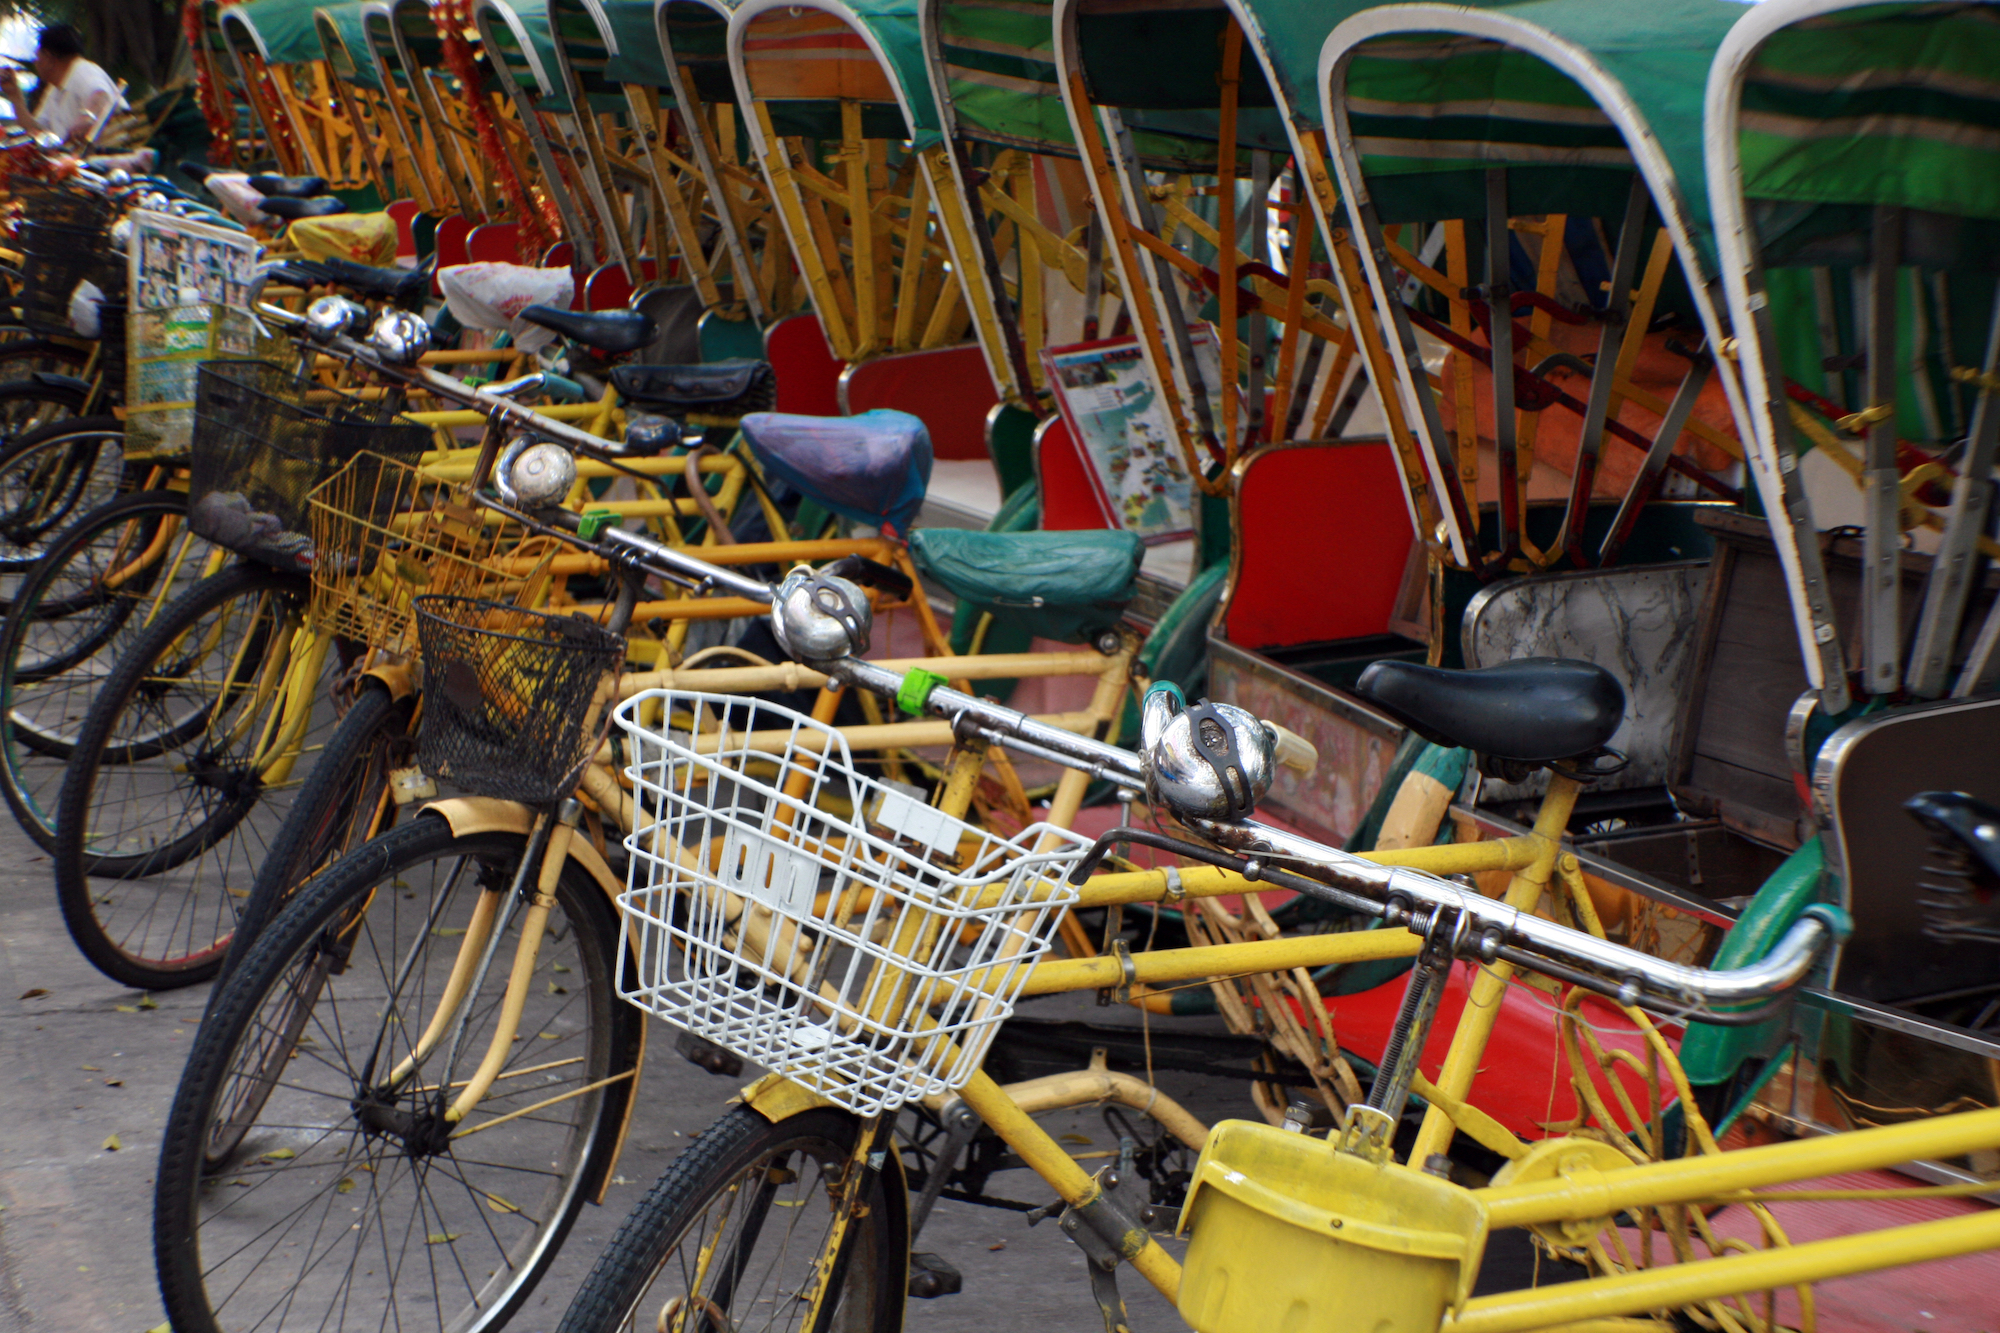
x: 221, y: 126
x: 538, y: 227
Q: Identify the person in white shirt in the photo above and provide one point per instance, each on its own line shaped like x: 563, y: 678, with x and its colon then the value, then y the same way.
x: 76, y: 94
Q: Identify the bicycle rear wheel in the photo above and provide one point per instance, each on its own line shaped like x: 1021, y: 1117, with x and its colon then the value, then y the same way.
x: 101, y: 583
x: 301, y: 1187
x: 171, y: 796
x: 732, y: 1234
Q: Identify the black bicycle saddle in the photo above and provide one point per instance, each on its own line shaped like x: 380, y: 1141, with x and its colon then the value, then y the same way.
x: 613, y: 331
x: 1536, y: 710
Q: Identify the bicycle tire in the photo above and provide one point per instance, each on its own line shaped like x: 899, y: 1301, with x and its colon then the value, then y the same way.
x: 348, y: 779
x: 678, y: 1210
x: 50, y: 477
x: 75, y: 613
x: 158, y: 794
x: 340, y: 946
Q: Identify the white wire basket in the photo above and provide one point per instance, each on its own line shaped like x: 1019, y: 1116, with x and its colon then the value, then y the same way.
x: 815, y: 920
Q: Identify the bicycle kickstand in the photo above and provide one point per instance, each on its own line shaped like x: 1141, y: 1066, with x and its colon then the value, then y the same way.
x: 1108, y: 1230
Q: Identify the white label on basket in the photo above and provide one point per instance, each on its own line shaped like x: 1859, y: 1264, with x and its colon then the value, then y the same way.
x: 920, y: 823
x: 768, y: 872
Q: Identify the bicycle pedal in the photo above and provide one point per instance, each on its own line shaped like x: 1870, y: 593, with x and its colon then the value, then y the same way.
x: 932, y: 1277
x: 700, y: 1051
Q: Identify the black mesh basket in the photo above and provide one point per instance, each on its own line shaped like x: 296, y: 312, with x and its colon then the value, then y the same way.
x: 61, y: 205
x: 263, y: 440
x: 55, y: 259
x: 514, y: 700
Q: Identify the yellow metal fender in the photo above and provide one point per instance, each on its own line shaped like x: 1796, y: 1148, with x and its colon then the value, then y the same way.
x: 484, y: 814
x: 400, y: 679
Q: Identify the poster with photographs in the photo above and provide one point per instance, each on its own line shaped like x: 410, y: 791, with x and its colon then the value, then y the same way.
x: 1115, y: 414
x: 191, y: 293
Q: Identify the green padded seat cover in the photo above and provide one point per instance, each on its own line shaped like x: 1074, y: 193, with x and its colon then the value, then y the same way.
x: 1056, y: 585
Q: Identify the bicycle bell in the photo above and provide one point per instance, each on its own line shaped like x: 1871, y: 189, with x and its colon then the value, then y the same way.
x: 1211, y: 761
x: 819, y: 617
x: 334, y: 316
x: 400, y: 337
x: 533, y: 473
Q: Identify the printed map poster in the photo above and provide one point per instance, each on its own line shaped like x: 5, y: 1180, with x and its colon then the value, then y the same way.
x: 1115, y: 414
x: 191, y: 293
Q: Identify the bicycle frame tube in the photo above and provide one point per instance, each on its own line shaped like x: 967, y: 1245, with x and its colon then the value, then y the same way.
x: 296, y: 704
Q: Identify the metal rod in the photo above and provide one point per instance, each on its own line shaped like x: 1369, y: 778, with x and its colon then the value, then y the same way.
x: 1950, y: 582
x: 1882, y: 496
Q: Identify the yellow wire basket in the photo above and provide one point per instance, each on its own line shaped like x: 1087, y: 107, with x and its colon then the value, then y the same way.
x: 384, y: 534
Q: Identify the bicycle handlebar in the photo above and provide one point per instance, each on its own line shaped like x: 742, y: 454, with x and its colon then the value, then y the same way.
x: 1484, y: 928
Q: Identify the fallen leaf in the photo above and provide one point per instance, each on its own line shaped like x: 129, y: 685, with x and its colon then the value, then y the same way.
x: 278, y: 1155
x: 551, y: 1036
x: 114, y: 1082
x: 557, y: 990
x: 1075, y: 1138
x: 126, y: 1008
x: 112, y: 1144
x: 148, y: 1002
x: 448, y: 931
x: 161, y: 1328
x: 500, y: 1205
x: 558, y: 967
x: 346, y: 1185
x: 441, y: 1238
x: 997, y: 1245
x: 34, y: 992
x: 90, y: 1069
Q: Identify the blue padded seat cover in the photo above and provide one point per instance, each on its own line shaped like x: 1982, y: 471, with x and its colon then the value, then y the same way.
x: 872, y: 468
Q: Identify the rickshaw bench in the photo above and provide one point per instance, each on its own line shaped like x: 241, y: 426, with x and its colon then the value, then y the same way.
x: 717, y: 388
x: 1071, y: 586
x: 615, y: 332
x: 872, y: 468
x: 1535, y: 710
x: 291, y: 210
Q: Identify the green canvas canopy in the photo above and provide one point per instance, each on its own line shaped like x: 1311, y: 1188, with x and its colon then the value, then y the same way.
x: 993, y: 66
x: 282, y: 30
x: 635, y: 56
x: 582, y: 37
x: 343, y: 44
x: 694, y: 35
x: 882, y: 32
x: 519, y: 47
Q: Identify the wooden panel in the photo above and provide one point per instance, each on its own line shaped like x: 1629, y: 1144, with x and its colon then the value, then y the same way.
x: 949, y: 388
x: 807, y: 53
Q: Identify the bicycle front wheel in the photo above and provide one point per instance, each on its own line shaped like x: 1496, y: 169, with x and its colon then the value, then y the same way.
x: 732, y: 1235
x: 309, y: 1178
x: 51, y: 474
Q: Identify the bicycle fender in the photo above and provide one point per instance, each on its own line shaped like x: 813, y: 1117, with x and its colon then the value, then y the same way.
x: 400, y: 679
x: 776, y: 1098
x: 483, y: 814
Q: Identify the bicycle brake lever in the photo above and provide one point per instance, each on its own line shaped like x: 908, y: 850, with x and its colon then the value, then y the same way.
x: 869, y: 574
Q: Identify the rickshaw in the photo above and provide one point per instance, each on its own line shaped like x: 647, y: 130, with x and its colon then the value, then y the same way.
x: 357, y: 91
x: 282, y: 64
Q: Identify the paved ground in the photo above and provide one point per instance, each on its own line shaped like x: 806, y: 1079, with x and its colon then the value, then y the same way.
x: 85, y: 1063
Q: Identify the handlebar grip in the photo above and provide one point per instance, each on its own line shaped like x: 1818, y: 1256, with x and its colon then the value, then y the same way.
x: 1294, y: 751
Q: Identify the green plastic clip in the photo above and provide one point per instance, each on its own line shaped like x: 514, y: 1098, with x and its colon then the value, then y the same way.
x: 916, y: 690
x: 592, y: 522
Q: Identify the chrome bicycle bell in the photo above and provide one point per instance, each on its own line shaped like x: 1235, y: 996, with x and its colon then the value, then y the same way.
x: 400, y: 337
x: 819, y: 617
x: 532, y: 473
x: 1212, y: 761
x: 336, y: 316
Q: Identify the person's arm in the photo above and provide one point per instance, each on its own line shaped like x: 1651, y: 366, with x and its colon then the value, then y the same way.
x: 10, y: 88
x: 96, y: 108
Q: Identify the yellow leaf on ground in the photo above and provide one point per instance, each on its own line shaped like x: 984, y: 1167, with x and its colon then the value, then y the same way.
x: 112, y: 1144
x: 500, y: 1205
x: 279, y: 1155
x: 346, y: 1185
x: 440, y: 1238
